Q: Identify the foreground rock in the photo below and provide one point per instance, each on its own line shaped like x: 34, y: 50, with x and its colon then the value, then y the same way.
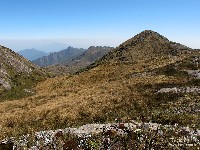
x: 194, y: 89
x: 110, y: 136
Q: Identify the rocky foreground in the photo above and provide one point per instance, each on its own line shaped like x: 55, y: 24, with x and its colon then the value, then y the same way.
x: 112, y: 136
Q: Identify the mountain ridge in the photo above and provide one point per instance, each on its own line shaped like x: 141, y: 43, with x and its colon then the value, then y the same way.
x: 146, y: 86
x: 145, y: 45
x: 58, y: 57
x: 89, y: 56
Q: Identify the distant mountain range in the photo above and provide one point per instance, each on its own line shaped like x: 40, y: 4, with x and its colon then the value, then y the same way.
x: 32, y: 54
x: 92, y: 54
x: 59, y: 57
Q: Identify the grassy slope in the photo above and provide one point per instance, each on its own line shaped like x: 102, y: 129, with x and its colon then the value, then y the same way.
x: 20, y: 73
x: 22, y: 82
x: 106, y: 92
x: 121, y: 85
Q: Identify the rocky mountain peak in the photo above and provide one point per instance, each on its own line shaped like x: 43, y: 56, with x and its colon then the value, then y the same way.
x: 59, y: 57
x: 145, y: 36
x: 145, y: 45
x: 88, y: 57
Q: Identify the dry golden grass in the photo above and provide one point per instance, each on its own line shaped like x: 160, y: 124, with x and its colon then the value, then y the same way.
x: 122, y: 85
x: 98, y: 95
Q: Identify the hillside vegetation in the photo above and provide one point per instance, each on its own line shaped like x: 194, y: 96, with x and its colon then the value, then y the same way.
x: 123, y: 84
x: 18, y: 76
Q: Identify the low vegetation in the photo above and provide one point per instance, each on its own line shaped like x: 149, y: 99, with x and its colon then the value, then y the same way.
x: 18, y: 76
x: 101, y: 94
x: 22, y: 85
x: 114, y: 88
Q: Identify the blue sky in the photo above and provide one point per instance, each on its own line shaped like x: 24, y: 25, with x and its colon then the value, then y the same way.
x: 81, y: 23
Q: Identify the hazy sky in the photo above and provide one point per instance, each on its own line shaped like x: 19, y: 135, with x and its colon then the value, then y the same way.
x: 81, y: 23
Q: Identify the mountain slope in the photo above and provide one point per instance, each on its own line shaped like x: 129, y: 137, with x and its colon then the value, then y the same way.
x: 17, y: 74
x: 147, y: 81
x: 92, y: 54
x: 32, y: 54
x: 58, y: 57
x: 146, y: 45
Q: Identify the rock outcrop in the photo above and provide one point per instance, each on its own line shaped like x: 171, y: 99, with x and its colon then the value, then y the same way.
x: 15, y: 71
x: 107, y: 135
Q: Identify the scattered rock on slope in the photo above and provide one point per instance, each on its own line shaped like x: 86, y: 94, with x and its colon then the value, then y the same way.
x: 16, y: 72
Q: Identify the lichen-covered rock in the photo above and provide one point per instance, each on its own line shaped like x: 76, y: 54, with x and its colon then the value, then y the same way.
x: 194, y: 89
x: 195, y: 73
x: 5, y: 84
x: 109, y: 136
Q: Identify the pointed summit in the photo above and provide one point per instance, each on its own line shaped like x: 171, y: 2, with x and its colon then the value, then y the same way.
x: 145, y: 45
x: 144, y: 36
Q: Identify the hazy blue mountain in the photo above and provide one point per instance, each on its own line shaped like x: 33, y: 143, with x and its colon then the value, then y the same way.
x: 32, y: 54
x: 58, y: 57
